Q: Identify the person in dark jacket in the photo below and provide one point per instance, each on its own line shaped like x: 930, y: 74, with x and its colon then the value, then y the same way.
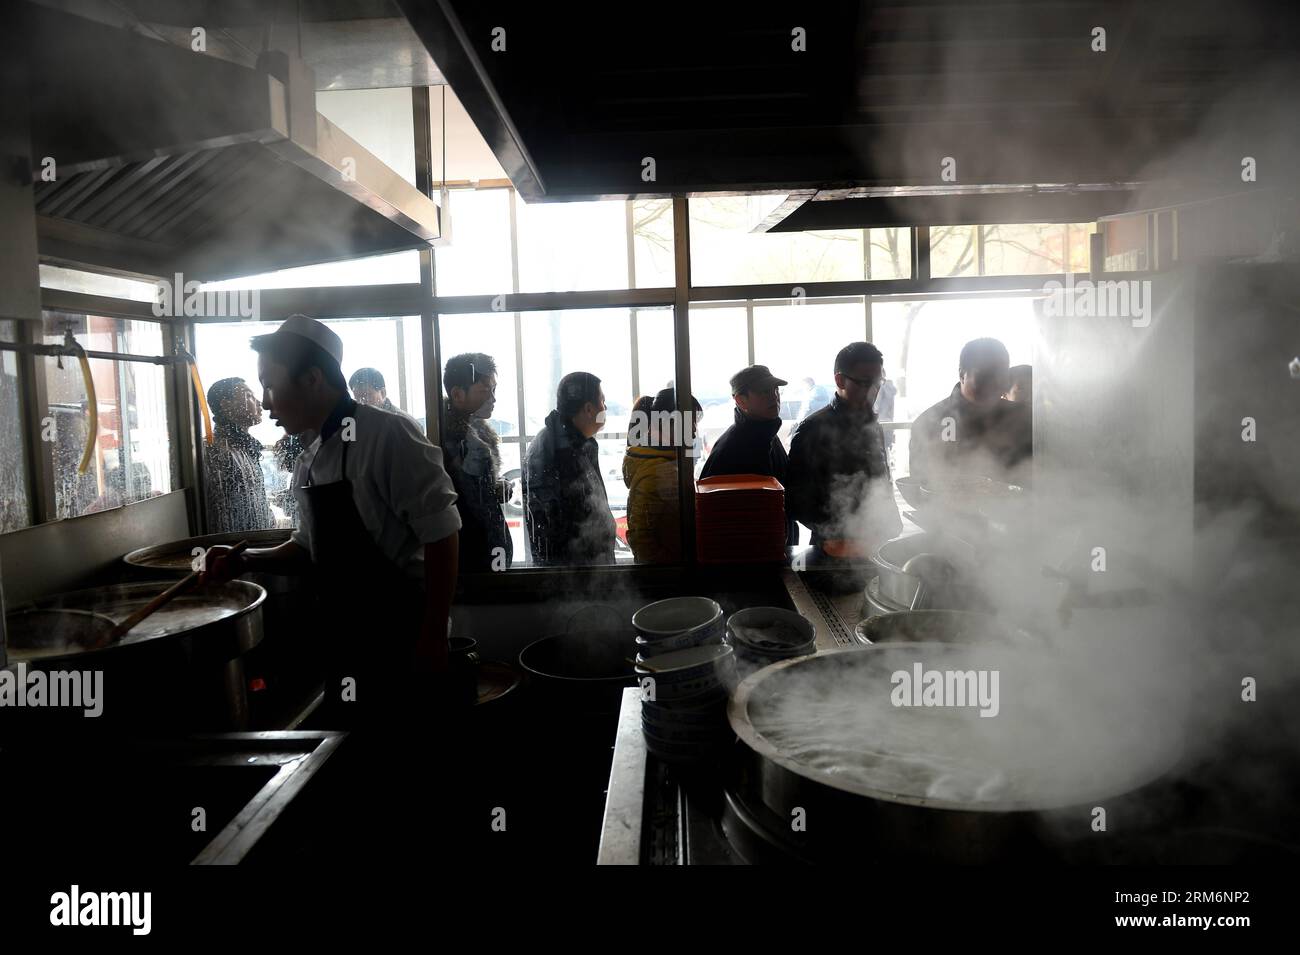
x: 975, y: 431
x: 838, y: 482
x: 369, y: 388
x: 752, y: 444
x: 566, y: 507
x: 473, y: 459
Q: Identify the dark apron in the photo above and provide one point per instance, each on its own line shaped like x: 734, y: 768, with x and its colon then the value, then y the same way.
x: 370, y: 612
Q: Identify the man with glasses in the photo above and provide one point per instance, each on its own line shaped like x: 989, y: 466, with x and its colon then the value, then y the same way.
x: 752, y: 444
x: 838, y: 482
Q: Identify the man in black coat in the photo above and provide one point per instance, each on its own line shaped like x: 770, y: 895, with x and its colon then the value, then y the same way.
x: 752, y: 445
x: 567, y: 510
x: 975, y: 431
x: 839, y: 483
x: 472, y: 456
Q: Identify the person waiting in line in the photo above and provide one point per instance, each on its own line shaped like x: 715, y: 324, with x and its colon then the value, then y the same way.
x: 975, y: 431
x: 233, y: 479
x: 368, y: 388
x: 839, y: 483
x: 473, y: 459
x: 1022, y: 384
x: 751, y: 445
x: 650, y: 473
x: 566, y: 506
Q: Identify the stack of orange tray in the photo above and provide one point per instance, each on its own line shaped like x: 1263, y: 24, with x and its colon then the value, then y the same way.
x: 739, y: 518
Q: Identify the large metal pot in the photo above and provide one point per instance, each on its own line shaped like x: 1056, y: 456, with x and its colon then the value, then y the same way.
x: 854, y: 805
x: 581, y: 671
x: 188, y: 654
x: 896, y: 588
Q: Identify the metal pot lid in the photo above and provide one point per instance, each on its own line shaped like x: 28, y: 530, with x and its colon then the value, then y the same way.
x: 178, y: 555
x: 1058, y: 740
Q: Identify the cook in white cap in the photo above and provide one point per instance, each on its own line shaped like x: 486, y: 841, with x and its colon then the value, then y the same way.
x: 377, y: 529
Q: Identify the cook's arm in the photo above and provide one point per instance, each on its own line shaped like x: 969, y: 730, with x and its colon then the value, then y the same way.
x: 288, y: 558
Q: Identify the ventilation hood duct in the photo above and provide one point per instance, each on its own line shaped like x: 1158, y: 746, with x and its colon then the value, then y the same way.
x: 168, y: 160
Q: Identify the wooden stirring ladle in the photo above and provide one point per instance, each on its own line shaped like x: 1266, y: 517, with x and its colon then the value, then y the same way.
x: 164, y: 598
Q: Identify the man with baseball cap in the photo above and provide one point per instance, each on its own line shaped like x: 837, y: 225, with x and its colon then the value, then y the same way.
x: 377, y: 529
x: 751, y: 445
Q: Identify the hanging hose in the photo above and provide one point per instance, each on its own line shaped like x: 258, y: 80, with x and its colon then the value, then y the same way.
x: 92, y: 409
x: 203, y: 399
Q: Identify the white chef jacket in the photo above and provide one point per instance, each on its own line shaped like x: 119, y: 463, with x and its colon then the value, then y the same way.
x: 402, y: 492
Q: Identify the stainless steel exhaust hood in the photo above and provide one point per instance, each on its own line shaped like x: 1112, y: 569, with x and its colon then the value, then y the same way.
x: 168, y: 160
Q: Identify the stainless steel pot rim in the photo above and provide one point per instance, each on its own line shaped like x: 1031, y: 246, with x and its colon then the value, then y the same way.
x: 67, y: 602
x: 738, y: 716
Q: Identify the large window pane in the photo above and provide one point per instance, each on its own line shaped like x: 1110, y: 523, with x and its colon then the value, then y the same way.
x: 131, y: 459
x: 891, y: 253
x: 953, y: 251
x: 494, y: 334
x: 392, y: 345
x: 726, y: 251
x: 652, y: 241
x: 14, y: 509
x: 477, y: 261
x: 572, y: 246
x: 806, y: 359
x: 1030, y: 249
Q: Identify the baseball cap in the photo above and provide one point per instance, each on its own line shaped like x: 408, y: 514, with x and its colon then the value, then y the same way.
x: 315, y: 332
x: 754, y: 378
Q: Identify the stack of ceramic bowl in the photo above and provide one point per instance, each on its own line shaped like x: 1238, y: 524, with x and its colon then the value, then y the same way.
x: 763, y: 635
x: 678, y: 623
x: 684, y: 702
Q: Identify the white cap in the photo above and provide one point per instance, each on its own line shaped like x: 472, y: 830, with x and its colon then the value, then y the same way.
x: 315, y: 332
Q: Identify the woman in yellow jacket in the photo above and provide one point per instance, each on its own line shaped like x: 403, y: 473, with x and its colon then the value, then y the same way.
x: 650, y: 473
